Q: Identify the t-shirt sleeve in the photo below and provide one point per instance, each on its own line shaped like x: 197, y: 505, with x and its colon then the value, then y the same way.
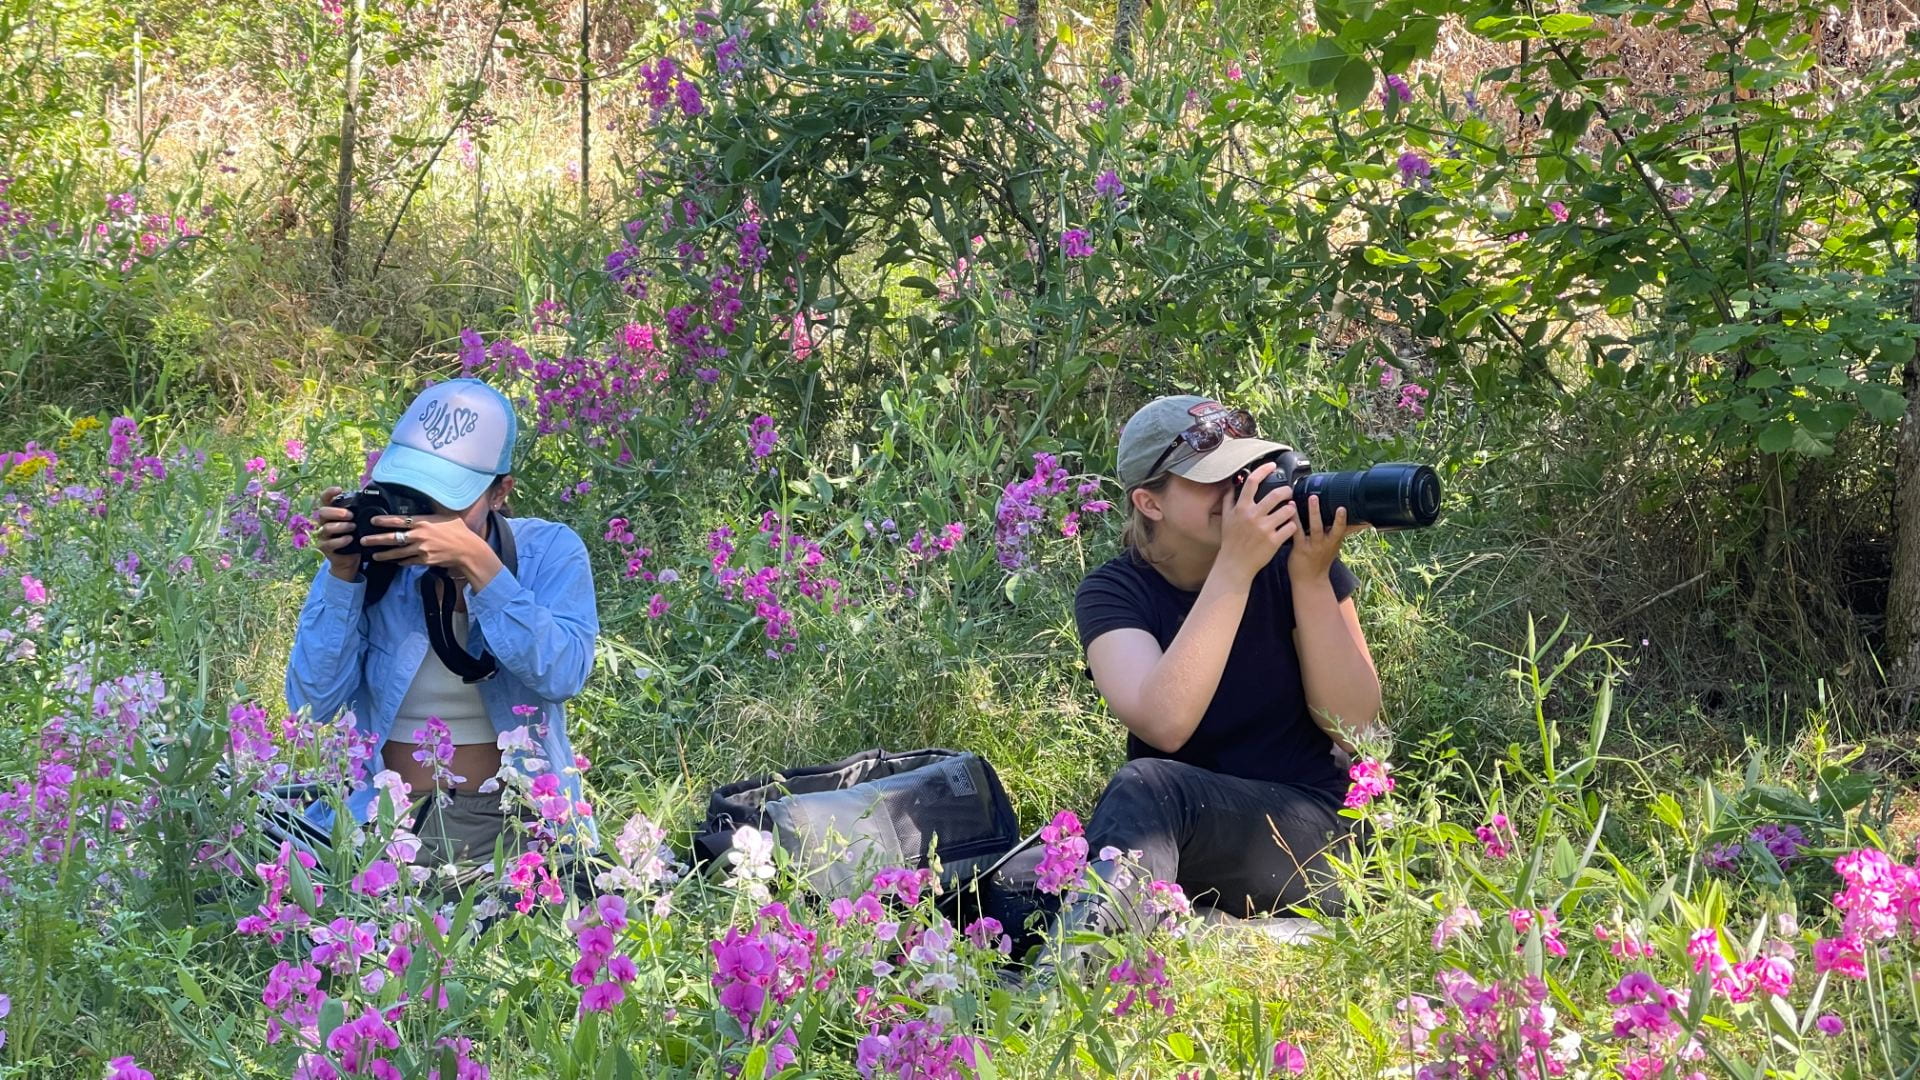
x: 1343, y: 580
x: 1103, y: 603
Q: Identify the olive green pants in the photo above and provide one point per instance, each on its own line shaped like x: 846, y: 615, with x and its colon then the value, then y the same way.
x: 463, y: 827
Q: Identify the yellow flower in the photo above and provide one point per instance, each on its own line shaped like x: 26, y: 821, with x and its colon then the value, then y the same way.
x: 80, y: 429
x: 28, y: 469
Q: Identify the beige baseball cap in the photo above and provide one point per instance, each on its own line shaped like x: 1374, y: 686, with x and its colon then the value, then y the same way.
x: 1151, y: 430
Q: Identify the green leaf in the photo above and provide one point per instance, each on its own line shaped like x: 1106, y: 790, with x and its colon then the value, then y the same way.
x: 1883, y: 403
x: 1363, y: 1024
x: 924, y: 285
x: 1668, y: 810
x: 1785, y: 802
x: 1790, y: 436
x: 190, y: 986
x: 1777, y: 436
x: 1565, y: 862
x: 1565, y: 24
x: 302, y: 886
x: 1319, y: 54
x: 1723, y: 337
x: 1353, y: 84
x: 1841, y: 793
x: 1180, y: 1046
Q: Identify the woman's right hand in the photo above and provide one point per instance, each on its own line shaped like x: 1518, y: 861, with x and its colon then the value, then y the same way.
x: 332, y: 531
x: 1251, y: 532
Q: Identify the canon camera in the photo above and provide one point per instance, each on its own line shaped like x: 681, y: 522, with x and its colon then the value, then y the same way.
x: 373, y: 501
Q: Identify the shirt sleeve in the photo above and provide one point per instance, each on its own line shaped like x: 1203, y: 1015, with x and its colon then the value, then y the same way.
x: 1343, y: 580
x: 329, y: 644
x: 1103, y: 603
x: 543, y: 630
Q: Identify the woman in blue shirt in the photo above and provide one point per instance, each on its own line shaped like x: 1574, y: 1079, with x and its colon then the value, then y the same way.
x: 538, y: 621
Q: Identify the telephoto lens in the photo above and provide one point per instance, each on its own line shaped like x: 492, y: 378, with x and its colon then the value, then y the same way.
x: 1395, y: 495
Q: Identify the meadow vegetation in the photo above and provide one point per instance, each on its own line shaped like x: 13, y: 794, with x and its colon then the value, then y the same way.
x: 821, y: 321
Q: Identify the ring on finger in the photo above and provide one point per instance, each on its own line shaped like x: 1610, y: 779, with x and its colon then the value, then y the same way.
x: 400, y: 537
x: 406, y: 522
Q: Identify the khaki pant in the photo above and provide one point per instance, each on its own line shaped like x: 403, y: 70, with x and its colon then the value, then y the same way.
x: 462, y: 827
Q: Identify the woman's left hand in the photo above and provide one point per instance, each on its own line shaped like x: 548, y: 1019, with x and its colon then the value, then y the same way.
x: 1313, y: 552
x: 442, y: 540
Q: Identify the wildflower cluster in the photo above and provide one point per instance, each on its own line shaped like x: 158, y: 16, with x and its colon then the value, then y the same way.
x: 1646, y: 1022
x: 759, y: 970
x: 1779, y: 845
x: 593, y: 398
x: 602, y: 972
x: 1498, y: 1028
x: 1026, y: 503
x: 1880, y: 903
x: 1370, y: 781
x: 53, y: 813
x: 1064, y: 858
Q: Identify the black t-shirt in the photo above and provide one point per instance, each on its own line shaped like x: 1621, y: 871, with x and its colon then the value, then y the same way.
x: 1257, y: 725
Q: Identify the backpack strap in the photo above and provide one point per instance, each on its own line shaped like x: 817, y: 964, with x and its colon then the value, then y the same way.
x: 500, y: 535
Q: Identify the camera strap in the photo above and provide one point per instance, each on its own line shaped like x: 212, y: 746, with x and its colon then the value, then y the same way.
x: 438, y: 593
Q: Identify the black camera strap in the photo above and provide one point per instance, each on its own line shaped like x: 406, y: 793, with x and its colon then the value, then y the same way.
x: 439, y: 592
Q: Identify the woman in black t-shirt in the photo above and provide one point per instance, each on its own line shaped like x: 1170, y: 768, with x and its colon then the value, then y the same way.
x: 1225, y: 639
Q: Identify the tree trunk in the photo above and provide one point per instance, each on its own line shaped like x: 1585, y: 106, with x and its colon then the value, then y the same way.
x: 586, y: 85
x: 349, y: 132
x: 1126, y: 19
x: 1903, y: 599
x: 1029, y: 19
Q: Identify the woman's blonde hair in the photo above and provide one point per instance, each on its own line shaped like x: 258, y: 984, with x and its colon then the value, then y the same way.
x: 1139, y: 528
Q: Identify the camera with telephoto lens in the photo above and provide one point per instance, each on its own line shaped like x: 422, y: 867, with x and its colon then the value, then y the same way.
x: 372, y: 501
x: 1396, y: 495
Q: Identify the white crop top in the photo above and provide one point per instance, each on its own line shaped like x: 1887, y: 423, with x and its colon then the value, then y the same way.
x: 437, y: 691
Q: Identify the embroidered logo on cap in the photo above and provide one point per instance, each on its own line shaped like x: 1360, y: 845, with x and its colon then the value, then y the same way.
x: 443, y: 425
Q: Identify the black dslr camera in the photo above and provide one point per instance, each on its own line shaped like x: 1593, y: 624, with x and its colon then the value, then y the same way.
x: 373, y: 501
x: 1397, y: 495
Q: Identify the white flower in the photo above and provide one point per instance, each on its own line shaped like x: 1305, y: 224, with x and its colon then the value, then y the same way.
x: 1567, y: 1046
x: 644, y: 856
x: 752, y: 859
x: 396, y: 789
x: 943, y: 982
x: 751, y: 846
x: 404, y: 847
x: 519, y: 739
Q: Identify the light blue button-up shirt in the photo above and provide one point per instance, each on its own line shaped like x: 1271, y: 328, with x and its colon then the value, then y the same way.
x: 540, y: 622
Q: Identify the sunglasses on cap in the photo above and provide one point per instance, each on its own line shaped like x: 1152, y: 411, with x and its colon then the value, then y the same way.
x: 1207, y: 434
